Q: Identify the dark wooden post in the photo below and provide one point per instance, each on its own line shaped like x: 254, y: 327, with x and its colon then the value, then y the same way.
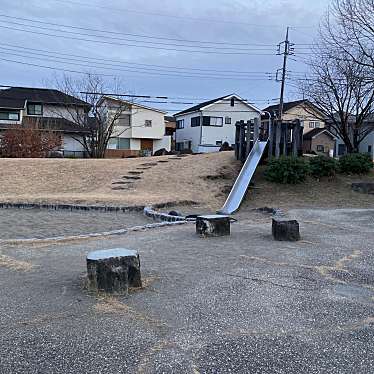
x: 237, y: 137
x: 284, y: 230
x: 241, y: 141
x: 113, y: 271
x: 256, y: 130
x: 213, y: 225
x: 248, y: 139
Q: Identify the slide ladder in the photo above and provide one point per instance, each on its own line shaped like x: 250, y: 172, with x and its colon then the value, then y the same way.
x: 240, y: 187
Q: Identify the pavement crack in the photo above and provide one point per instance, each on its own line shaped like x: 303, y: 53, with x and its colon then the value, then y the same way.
x: 261, y: 280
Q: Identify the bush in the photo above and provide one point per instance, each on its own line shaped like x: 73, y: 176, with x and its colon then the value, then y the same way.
x: 322, y: 166
x: 355, y: 163
x: 287, y: 170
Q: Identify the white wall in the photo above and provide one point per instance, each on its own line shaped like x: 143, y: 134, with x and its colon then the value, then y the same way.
x: 139, y: 116
x: 226, y: 133
x: 165, y: 142
x: 135, y: 144
x: 189, y: 133
x: 212, y: 134
x: 368, y: 141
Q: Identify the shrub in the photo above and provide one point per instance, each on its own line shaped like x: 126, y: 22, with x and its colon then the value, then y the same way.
x: 322, y: 166
x: 287, y: 170
x: 355, y: 163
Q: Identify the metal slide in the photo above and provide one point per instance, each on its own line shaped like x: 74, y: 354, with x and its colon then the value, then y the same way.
x: 239, y: 189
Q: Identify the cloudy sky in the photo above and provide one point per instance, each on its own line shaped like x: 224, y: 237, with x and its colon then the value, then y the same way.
x: 195, y: 49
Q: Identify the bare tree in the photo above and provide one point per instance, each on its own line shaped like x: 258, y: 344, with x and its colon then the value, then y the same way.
x: 337, y: 84
x: 96, y: 116
x: 349, y: 27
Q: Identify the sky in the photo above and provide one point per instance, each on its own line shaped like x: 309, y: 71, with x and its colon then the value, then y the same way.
x: 187, y: 51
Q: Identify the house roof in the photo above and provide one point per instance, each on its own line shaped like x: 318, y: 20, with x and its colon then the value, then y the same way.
x: 204, y: 104
x: 51, y: 123
x: 16, y: 97
x: 170, y: 118
x: 131, y: 103
x: 316, y: 132
x: 288, y: 106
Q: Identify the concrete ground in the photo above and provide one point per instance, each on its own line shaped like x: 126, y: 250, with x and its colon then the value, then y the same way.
x: 36, y: 223
x: 240, y: 304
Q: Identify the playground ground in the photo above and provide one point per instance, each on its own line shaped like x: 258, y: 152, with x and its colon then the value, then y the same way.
x: 239, y: 304
x: 204, y: 179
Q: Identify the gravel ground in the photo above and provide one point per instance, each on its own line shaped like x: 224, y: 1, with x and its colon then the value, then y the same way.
x: 239, y: 304
x: 36, y: 223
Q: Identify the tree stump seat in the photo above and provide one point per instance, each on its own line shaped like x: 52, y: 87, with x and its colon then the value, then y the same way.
x: 285, y: 230
x: 213, y: 225
x: 113, y: 271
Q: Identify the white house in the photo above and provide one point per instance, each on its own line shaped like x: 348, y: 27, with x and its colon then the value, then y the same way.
x: 206, y: 126
x: 48, y: 109
x: 139, y: 129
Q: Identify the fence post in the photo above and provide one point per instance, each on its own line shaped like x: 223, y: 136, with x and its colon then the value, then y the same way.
x: 277, y: 128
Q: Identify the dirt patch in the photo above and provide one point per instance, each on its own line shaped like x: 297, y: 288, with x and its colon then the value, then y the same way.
x: 13, y: 264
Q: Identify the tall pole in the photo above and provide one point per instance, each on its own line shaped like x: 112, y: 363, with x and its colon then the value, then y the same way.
x: 278, y: 128
x: 284, y: 70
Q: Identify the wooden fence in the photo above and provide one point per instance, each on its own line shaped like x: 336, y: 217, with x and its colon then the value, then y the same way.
x: 284, y: 138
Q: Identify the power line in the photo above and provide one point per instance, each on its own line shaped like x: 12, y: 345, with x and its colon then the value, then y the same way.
x: 135, y: 45
x: 23, y: 48
x: 141, y: 68
x: 173, y: 16
x: 136, y: 35
x: 135, y: 70
x: 205, y: 47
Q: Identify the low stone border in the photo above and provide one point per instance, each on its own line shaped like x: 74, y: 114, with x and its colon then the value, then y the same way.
x: 92, y: 235
x: 158, y: 216
x: 100, y: 208
x: 71, y: 207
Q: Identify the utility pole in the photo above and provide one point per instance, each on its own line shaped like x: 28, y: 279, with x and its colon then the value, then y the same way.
x: 287, y: 50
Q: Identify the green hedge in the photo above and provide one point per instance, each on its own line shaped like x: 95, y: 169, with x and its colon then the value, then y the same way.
x: 355, y: 163
x: 287, y: 170
x: 322, y: 166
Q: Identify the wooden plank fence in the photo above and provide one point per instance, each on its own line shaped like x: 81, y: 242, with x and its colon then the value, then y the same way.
x: 284, y: 138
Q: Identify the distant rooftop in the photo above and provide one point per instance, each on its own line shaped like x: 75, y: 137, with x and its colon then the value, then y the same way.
x: 16, y: 97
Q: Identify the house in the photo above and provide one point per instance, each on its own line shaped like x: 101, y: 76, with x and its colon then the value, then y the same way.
x: 303, y: 110
x: 139, y: 130
x: 47, y: 109
x: 206, y: 126
x: 319, y: 141
x: 365, y: 146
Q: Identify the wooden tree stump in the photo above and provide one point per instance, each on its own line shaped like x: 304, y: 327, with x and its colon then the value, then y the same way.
x: 213, y: 225
x: 113, y: 270
x: 284, y: 230
x: 363, y: 187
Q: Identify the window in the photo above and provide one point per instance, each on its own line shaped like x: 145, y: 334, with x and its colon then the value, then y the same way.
x: 370, y: 149
x: 228, y: 120
x: 219, y: 142
x: 180, y: 124
x: 314, y: 125
x: 119, y: 143
x: 195, y: 121
x: 232, y: 103
x: 341, y: 150
x: 320, y: 148
x: 34, y: 109
x: 10, y: 116
x: 148, y: 123
x: 213, y: 121
x: 124, y: 120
